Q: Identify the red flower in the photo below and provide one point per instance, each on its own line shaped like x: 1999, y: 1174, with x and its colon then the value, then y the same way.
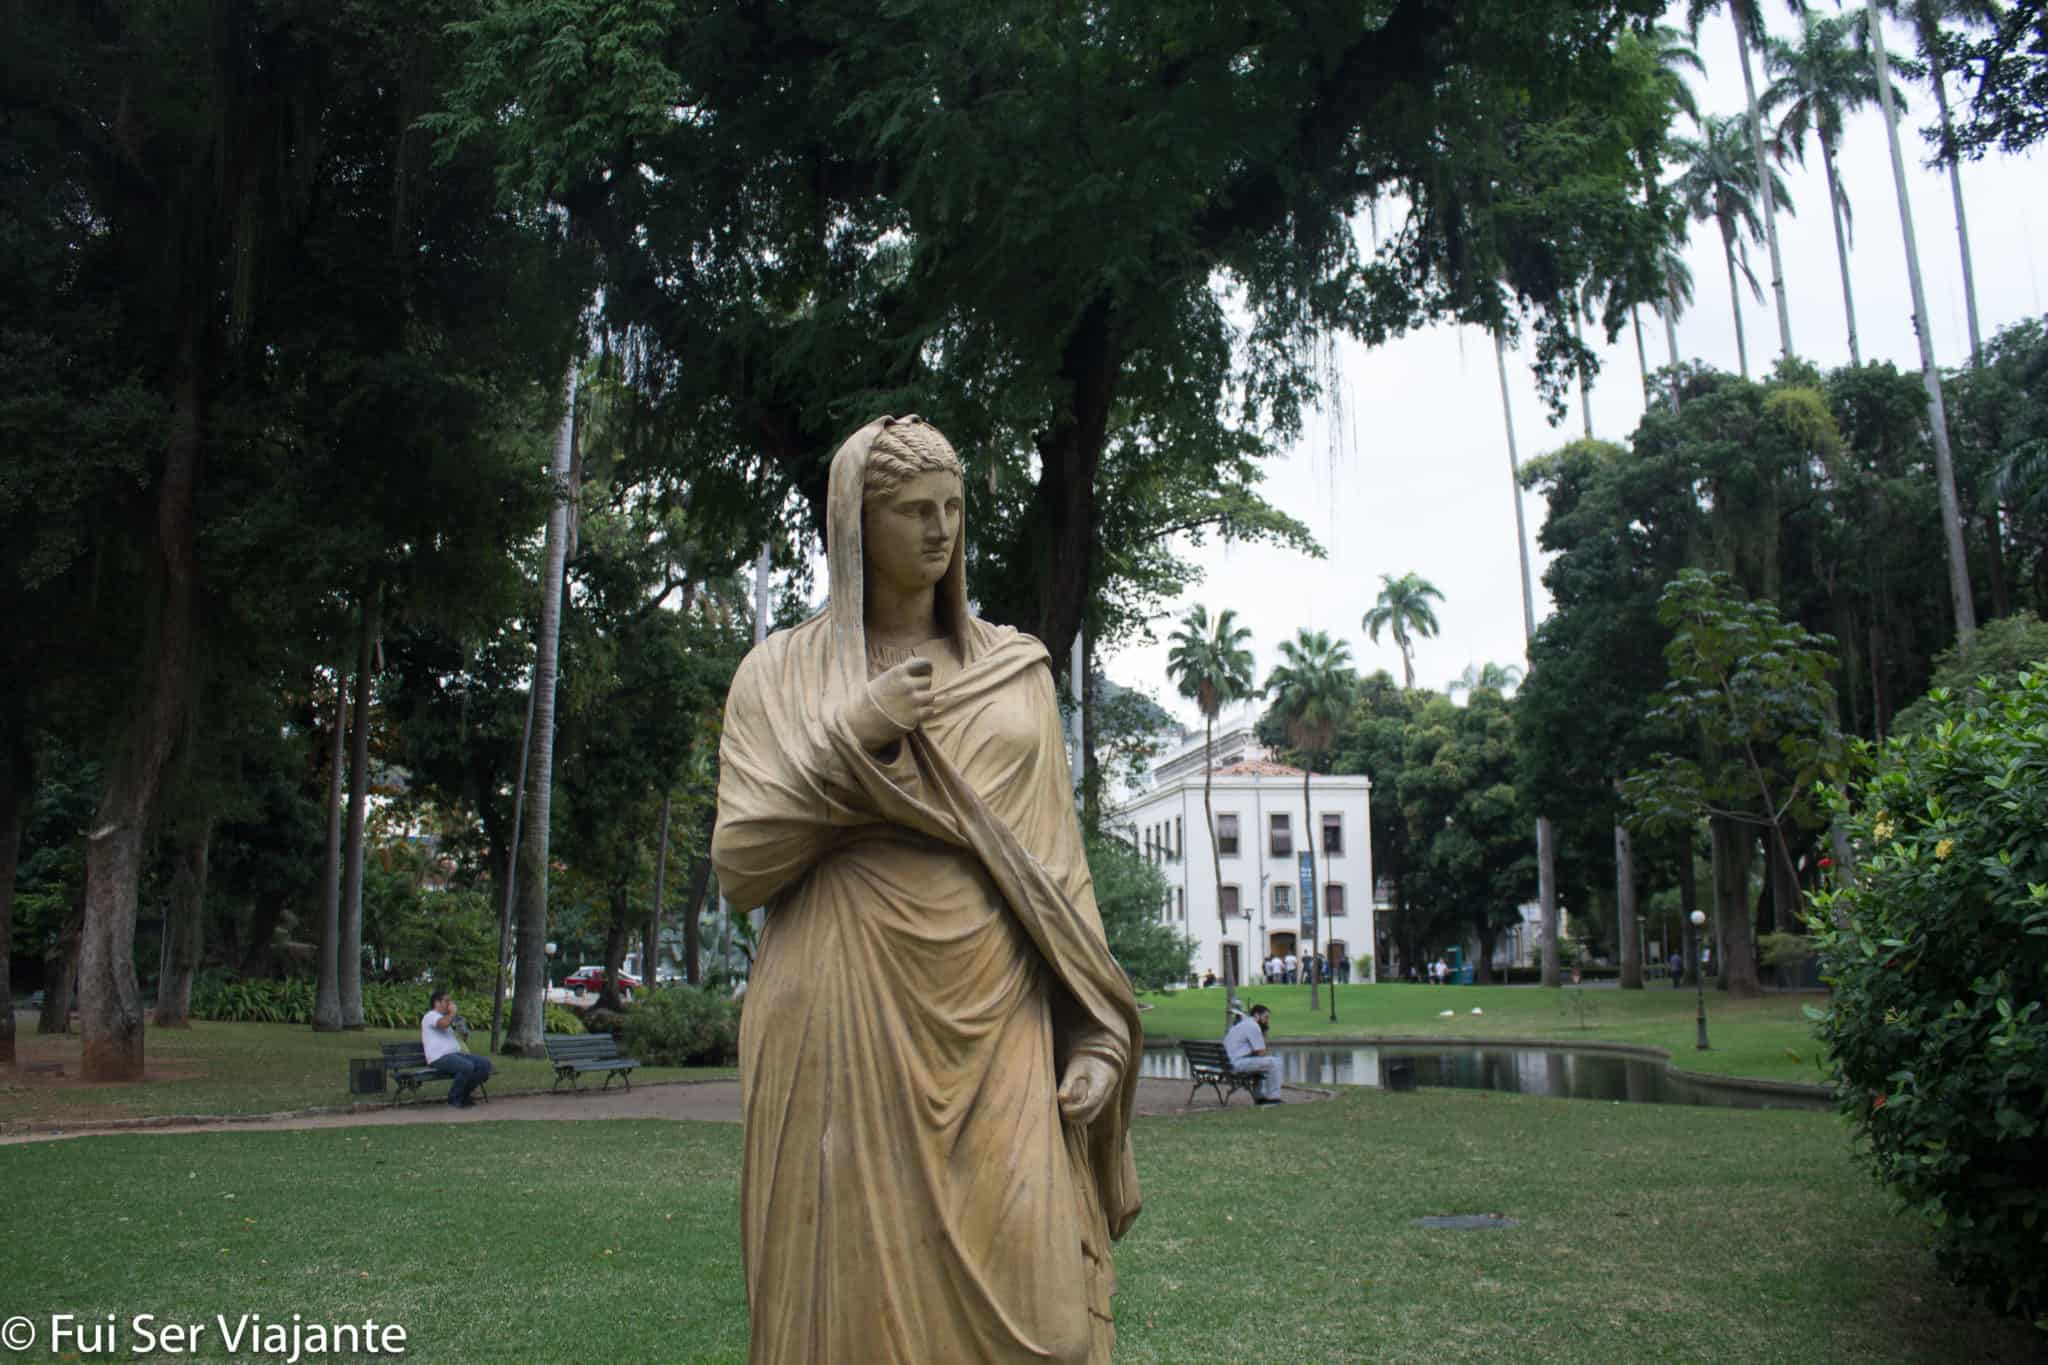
x: 1827, y: 862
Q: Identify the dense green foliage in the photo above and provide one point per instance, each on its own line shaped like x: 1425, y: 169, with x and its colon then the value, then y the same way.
x: 224, y: 999
x: 1136, y: 904
x: 1938, y: 956
x: 681, y: 1026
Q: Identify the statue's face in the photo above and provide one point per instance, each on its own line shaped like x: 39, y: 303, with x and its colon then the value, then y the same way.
x: 908, y: 536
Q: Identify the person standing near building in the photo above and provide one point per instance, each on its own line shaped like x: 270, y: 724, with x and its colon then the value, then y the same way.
x: 1245, y: 1046
x: 1291, y: 968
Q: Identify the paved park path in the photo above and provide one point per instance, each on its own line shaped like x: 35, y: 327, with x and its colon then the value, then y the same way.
x: 700, y: 1101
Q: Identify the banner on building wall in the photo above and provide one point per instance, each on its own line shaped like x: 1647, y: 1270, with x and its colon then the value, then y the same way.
x: 1308, y: 892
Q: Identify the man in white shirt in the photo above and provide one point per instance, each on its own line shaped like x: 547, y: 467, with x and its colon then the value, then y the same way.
x: 1273, y: 970
x: 1291, y: 967
x: 1245, y: 1046
x: 444, y: 1051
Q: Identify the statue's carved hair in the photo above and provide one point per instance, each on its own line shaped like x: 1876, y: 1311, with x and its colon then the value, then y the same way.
x: 905, y: 448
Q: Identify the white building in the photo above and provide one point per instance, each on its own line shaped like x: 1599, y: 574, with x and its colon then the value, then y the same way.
x: 1258, y: 809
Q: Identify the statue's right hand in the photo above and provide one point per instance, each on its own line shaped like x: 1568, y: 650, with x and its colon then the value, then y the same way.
x: 902, y: 701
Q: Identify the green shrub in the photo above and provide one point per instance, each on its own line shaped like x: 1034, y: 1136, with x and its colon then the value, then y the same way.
x: 598, y: 1020
x: 682, y: 1026
x: 560, y: 1019
x: 1938, y: 956
x: 268, y: 1000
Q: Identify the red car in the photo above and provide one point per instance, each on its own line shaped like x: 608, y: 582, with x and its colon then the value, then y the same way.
x: 591, y: 978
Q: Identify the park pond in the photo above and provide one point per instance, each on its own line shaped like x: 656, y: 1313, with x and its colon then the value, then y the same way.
x: 1557, y: 1072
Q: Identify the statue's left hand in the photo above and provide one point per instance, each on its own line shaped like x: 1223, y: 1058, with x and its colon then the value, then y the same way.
x: 1085, y: 1088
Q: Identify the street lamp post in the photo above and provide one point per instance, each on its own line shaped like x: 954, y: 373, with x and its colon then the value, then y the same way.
x: 1699, y: 978
x: 547, y: 983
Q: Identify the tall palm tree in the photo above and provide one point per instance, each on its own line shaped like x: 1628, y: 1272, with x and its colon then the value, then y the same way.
x: 1546, y: 841
x: 1211, y: 664
x: 1677, y: 277
x: 1928, y: 18
x: 1930, y: 375
x: 1749, y: 29
x: 1502, y: 678
x: 1719, y: 182
x: 1669, y: 55
x: 1311, y: 688
x: 1403, y: 607
x: 1821, y: 80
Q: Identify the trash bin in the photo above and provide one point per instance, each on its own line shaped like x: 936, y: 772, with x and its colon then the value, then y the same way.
x: 366, y: 1075
x: 1398, y: 1073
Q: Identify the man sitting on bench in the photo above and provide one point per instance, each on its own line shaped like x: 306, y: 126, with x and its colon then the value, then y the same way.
x: 466, y: 1071
x: 1245, y: 1046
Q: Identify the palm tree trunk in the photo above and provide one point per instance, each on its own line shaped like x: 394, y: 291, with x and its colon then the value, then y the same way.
x: 523, y: 1036
x: 1955, y: 189
x: 1670, y: 311
x: 1585, y: 387
x: 1216, y: 865
x: 1763, y: 175
x: 1827, y: 161
x: 327, y: 994
x: 1625, y: 905
x: 1735, y: 301
x: 1635, y: 320
x: 1315, y: 938
x: 349, y: 960
x: 650, y: 955
x: 1546, y: 843
x: 1937, y: 418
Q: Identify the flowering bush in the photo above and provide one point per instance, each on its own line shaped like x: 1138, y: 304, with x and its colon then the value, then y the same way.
x: 1938, y: 956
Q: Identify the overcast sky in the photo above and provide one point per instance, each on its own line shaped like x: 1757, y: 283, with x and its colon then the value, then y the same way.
x: 1417, y: 477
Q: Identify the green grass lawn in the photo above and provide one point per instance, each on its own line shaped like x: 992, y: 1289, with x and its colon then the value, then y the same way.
x: 1767, y: 1038
x: 1646, y: 1233
x: 238, y: 1069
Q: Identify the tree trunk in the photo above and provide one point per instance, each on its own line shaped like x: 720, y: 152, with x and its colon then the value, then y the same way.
x: 509, y: 881
x: 1625, y: 905
x: 17, y: 788
x: 1308, y: 838
x: 1585, y: 386
x: 610, y: 995
x: 693, y: 918
x: 349, y: 957
x: 1763, y: 177
x: 60, y: 976
x: 1635, y: 320
x: 258, y: 956
x: 1735, y: 301
x: 1787, y: 902
x: 1939, y: 79
x: 650, y: 954
x: 1546, y: 845
x: 185, y: 922
x: 1994, y: 560
x: 1688, y: 901
x: 327, y: 994
x: 1732, y: 843
x: 1670, y: 311
x: 1061, y: 523
x: 524, y: 1035
x: 1961, y: 601
x: 1827, y: 161
x: 1487, y: 937
x: 109, y: 997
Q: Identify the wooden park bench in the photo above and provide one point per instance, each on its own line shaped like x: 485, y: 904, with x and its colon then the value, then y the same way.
x: 1210, y: 1065
x: 574, y: 1054
x: 406, y: 1065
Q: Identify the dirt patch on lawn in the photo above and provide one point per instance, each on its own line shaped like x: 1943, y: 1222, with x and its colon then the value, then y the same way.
x: 696, y: 1101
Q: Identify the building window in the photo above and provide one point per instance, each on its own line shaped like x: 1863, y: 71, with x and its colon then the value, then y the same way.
x: 1280, y: 837
x: 1226, y: 835
x: 1283, y: 900
x: 1333, y: 899
x: 1228, y: 897
x: 1180, y: 902
x: 1333, y: 835
x: 1178, y: 847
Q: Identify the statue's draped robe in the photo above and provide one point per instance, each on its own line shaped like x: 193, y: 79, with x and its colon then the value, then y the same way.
x: 932, y: 956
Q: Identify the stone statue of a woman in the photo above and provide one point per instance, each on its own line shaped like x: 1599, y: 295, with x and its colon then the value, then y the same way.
x: 938, y: 1053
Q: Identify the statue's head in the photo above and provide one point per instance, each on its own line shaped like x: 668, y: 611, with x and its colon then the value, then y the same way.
x: 895, y: 508
x: 912, y: 505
